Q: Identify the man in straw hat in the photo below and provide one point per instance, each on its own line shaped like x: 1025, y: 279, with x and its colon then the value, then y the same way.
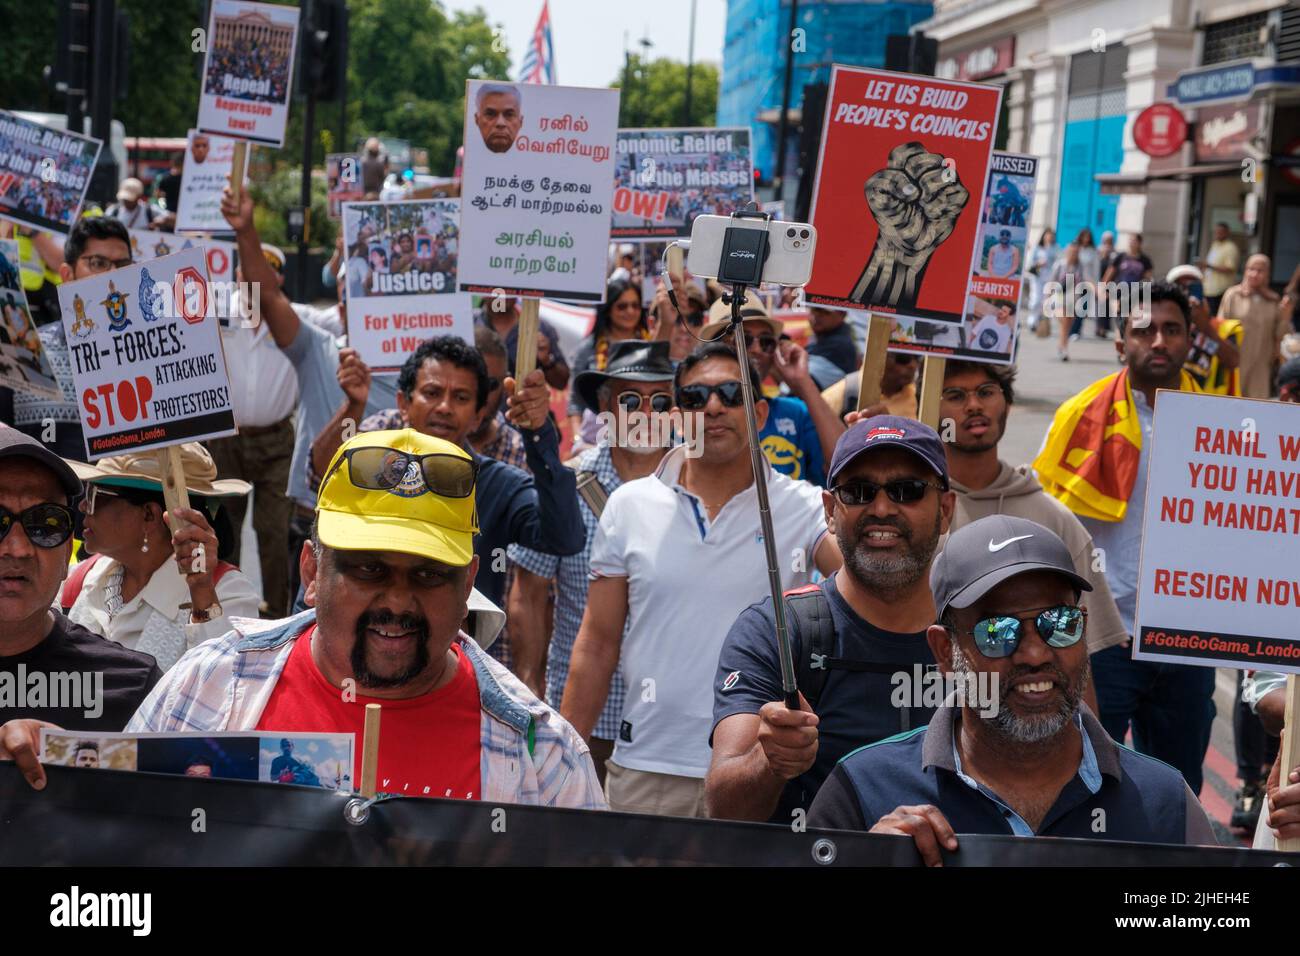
x: 389, y: 569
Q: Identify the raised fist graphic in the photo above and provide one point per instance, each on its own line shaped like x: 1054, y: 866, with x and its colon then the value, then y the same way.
x: 915, y: 201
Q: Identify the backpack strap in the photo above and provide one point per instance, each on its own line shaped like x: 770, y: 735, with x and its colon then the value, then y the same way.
x: 592, y: 492
x: 76, y: 578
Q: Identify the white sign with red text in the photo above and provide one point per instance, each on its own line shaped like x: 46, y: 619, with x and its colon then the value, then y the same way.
x: 248, y: 71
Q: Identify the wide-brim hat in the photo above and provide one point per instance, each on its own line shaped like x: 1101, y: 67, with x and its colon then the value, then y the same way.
x: 752, y: 309
x: 632, y: 360
x: 141, y: 469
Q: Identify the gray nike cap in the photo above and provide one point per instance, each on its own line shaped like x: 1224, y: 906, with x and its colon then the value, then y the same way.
x: 981, y: 555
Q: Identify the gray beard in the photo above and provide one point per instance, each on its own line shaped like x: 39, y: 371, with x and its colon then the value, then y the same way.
x: 1013, y: 728
x: 888, y: 572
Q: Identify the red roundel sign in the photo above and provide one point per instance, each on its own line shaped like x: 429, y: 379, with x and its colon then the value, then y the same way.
x: 1160, y: 130
x: 191, y: 295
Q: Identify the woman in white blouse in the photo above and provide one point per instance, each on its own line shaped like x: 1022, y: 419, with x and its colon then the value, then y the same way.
x: 146, y: 588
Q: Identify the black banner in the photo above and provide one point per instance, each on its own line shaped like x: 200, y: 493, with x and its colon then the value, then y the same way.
x: 110, y: 818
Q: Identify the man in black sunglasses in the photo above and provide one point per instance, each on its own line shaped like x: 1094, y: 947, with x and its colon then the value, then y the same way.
x: 89, y: 683
x: 1040, y: 764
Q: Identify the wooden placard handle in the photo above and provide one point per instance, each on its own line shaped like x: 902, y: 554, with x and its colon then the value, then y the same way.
x: 931, y: 388
x: 238, y: 165
x: 172, y: 470
x: 873, y: 361
x: 526, y: 347
x: 370, y: 752
x: 1289, y: 750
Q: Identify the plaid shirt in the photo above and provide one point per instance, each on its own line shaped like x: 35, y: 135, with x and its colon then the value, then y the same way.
x: 224, y: 685
x: 571, y: 576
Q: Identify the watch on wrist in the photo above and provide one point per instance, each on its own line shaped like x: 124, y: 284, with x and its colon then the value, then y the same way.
x: 203, y: 617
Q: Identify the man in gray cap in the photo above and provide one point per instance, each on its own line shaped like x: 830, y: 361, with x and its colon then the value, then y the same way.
x: 1040, y: 764
x: 85, y: 682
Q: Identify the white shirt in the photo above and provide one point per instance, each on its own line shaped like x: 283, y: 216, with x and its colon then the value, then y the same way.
x: 153, y: 621
x: 688, y: 581
x: 990, y: 335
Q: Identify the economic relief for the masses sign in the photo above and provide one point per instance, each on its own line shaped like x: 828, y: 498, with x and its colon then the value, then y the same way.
x: 1219, y: 582
x: 536, y: 190
x: 146, y: 356
x: 44, y: 173
x: 899, y: 191
x: 248, y: 71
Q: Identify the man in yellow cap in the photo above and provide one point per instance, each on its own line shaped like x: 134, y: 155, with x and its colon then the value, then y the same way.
x: 389, y: 569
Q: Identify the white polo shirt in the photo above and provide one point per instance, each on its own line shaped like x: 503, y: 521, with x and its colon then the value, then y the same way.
x: 688, y: 581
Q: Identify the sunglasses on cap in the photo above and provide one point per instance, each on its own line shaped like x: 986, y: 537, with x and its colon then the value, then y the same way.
x: 659, y: 401
x: 901, y: 491
x: 999, y: 636
x: 694, y: 397
x: 382, y: 469
x: 48, y: 524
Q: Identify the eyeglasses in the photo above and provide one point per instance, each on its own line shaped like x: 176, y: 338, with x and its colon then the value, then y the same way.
x: 659, y: 401
x: 102, y: 263
x: 383, y: 469
x: 48, y: 525
x: 901, y: 491
x: 694, y: 397
x: 765, y: 342
x: 985, y: 393
x: 999, y: 636
x: 94, y: 493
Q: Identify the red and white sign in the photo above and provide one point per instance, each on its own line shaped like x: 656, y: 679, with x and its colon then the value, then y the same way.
x: 979, y: 62
x: 1222, y: 132
x: 900, y: 187
x: 1160, y: 130
x: 248, y: 71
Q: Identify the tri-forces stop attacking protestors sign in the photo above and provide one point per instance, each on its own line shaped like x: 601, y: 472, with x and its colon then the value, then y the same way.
x: 1219, y: 582
x: 899, y: 189
x: 146, y: 356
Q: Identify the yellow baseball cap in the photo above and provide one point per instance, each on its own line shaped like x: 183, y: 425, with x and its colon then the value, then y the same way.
x: 400, y: 491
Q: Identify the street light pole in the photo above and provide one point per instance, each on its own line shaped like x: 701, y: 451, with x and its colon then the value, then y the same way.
x: 690, y: 68
x: 779, y: 179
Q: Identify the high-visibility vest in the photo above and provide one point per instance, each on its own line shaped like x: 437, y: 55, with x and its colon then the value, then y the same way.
x: 35, y: 271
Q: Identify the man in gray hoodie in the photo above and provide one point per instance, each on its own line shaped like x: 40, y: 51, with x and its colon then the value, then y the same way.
x: 973, y: 409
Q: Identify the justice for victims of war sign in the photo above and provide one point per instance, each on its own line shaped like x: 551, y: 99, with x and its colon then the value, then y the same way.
x: 248, y: 71
x: 899, y: 189
x: 146, y: 356
x: 1219, y: 584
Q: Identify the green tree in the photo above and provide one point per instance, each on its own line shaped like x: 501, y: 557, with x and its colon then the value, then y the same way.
x: 655, y: 94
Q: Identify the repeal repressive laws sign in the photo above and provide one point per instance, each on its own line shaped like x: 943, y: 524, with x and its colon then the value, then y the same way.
x: 1219, y: 582
x: 44, y: 173
x: 664, y: 178
x: 899, y: 191
x: 248, y: 71
x: 146, y: 357
x: 536, y: 190
x: 401, y: 278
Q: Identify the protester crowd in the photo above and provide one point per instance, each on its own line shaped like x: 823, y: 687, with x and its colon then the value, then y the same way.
x: 581, y: 609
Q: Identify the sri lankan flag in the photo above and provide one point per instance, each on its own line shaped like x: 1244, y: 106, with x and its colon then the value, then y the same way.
x: 1090, y: 459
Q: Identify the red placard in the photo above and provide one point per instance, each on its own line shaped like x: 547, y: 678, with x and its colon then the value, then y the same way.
x: 1160, y: 130
x: 899, y: 192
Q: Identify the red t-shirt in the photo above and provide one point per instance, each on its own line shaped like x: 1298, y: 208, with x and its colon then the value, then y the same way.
x: 428, y: 745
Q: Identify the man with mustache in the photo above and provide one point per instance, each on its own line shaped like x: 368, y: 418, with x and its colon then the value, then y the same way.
x: 389, y: 569
x: 852, y: 636
x: 1041, y: 765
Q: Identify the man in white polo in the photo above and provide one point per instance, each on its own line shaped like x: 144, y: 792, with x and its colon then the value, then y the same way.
x: 678, y: 555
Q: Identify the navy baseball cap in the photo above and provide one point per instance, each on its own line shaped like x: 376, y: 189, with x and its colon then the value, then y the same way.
x: 981, y: 555
x: 889, y: 430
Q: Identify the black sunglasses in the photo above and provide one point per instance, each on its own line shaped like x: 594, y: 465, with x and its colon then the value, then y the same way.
x: 632, y: 401
x: 694, y: 397
x: 383, y: 469
x: 901, y: 491
x: 694, y: 319
x: 765, y: 342
x: 999, y: 636
x: 48, y: 525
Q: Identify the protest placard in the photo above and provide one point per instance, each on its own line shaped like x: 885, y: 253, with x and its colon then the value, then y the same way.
x: 221, y: 256
x: 664, y: 178
x: 1218, y: 584
x: 146, y: 356
x: 44, y: 173
x: 248, y: 71
x: 208, y: 163
x: 537, y: 186
x: 401, y: 278
x: 304, y: 759
x: 343, y: 176
x: 23, y: 364
x: 899, y: 188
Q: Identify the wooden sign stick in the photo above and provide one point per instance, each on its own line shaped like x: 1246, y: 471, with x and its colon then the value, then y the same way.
x: 526, y: 348
x: 1289, y: 751
x: 873, y: 362
x: 931, y: 387
x: 370, y: 752
x: 237, y: 169
x: 173, y: 481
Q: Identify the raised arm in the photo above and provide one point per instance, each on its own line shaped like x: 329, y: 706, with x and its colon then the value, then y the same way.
x: 276, y: 309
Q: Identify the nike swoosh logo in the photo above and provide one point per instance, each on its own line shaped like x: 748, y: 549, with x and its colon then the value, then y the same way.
x: 998, y: 547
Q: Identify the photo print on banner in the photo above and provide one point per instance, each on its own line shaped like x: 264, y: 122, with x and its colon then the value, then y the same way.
x: 44, y: 173
x: 248, y: 71
x: 664, y: 178
x: 208, y: 162
x: 23, y: 364
x: 401, y: 278
x: 899, y: 188
x: 146, y: 356
x: 537, y: 187
x: 991, y: 325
